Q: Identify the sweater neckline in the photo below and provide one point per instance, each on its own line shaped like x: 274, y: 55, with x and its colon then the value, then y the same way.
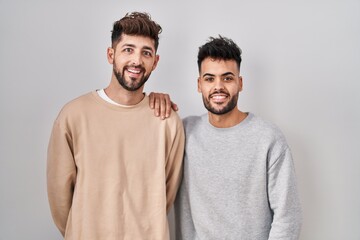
x: 143, y: 103
x: 240, y: 125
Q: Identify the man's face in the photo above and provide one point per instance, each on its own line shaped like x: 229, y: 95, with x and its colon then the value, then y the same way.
x: 133, y: 59
x: 220, y: 84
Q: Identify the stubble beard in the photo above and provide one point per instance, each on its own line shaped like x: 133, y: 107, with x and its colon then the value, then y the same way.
x: 229, y: 107
x: 131, y: 85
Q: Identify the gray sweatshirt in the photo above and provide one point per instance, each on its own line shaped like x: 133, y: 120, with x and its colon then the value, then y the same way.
x: 239, y: 183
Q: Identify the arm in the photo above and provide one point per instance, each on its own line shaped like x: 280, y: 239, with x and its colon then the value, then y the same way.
x: 173, y: 168
x: 61, y: 176
x: 284, y: 199
x: 162, y: 104
x: 183, y: 219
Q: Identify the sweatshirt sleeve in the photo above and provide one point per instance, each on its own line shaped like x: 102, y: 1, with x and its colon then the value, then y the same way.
x: 174, y: 164
x: 284, y: 199
x: 61, y: 175
x: 183, y: 219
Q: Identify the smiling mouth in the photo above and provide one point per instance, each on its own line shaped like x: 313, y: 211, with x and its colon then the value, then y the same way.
x: 218, y: 97
x: 135, y: 71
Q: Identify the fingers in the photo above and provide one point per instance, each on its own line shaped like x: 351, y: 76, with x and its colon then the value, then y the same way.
x: 152, y: 100
x: 157, y: 104
x: 162, y: 104
x: 174, y: 106
x: 167, y: 105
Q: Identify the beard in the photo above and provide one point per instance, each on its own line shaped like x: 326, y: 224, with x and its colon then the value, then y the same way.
x: 131, y: 85
x: 227, y: 108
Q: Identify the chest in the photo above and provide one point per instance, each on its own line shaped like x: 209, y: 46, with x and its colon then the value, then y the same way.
x: 225, y: 158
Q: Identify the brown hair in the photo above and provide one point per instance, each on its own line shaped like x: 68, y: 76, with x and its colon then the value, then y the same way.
x: 136, y: 23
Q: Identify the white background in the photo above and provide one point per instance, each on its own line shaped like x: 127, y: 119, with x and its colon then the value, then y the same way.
x: 300, y: 68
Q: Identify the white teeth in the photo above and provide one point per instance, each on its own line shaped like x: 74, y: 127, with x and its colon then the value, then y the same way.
x: 221, y: 97
x: 134, y: 71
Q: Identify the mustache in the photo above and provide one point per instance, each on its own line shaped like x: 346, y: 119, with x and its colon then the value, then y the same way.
x: 137, y: 66
x: 219, y: 91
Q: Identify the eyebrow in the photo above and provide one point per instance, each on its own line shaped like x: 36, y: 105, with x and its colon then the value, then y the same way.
x: 148, y: 48
x: 212, y: 75
x: 133, y: 46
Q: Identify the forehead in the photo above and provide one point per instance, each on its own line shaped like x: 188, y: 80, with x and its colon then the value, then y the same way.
x: 218, y: 67
x: 136, y: 41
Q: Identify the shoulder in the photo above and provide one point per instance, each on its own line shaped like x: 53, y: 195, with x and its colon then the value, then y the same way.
x: 75, y: 106
x: 267, y: 127
x: 192, y: 122
x: 173, y: 120
x: 267, y: 131
x: 78, y: 102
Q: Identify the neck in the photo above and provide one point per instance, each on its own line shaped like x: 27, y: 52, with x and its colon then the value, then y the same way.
x: 122, y: 96
x: 227, y: 120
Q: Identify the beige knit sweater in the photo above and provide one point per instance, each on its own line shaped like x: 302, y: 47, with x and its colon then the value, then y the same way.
x: 112, y: 171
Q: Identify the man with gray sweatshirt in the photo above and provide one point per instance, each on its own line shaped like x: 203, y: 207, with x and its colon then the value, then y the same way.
x: 239, y: 179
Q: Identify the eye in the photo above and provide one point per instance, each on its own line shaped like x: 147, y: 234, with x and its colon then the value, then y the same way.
x: 147, y: 53
x: 128, y: 50
x: 209, y: 79
x: 228, y: 78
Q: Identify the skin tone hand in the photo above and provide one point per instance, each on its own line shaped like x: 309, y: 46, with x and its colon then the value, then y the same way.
x: 162, y: 104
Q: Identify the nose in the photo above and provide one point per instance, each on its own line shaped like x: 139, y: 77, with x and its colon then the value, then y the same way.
x: 136, y: 59
x: 218, y: 84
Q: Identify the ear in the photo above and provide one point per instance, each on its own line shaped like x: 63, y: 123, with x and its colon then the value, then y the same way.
x: 199, y: 85
x: 110, y: 55
x: 240, y: 84
x: 157, y: 58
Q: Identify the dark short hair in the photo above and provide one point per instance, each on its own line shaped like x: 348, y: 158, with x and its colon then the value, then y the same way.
x: 136, y: 24
x: 220, y: 48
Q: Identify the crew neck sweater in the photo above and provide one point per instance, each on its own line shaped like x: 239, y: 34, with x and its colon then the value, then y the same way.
x: 239, y: 183
x: 113, y: 171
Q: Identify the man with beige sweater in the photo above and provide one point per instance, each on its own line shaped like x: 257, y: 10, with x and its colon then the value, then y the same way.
x: 113, y: 168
